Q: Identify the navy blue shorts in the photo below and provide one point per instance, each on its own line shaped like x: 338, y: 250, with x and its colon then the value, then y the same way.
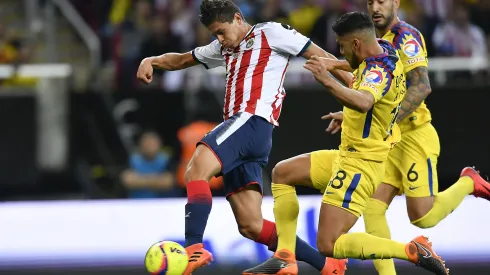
x: 242, y: 145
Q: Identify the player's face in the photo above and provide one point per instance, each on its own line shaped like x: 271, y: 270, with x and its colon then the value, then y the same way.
x: 382, y: 12
x: 230, y: 35
x: 349, y: 47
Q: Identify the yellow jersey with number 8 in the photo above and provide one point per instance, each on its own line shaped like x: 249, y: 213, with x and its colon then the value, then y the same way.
x: 411, y: 48
x: 369, y: 135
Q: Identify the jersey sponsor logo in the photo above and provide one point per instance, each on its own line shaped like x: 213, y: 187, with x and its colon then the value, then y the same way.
x: 369, y: 85
x: 374, y: 77
x: 415, y: 60
x: 411, y: 48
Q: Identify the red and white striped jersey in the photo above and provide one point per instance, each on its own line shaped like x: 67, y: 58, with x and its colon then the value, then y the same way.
x: 255, y: 70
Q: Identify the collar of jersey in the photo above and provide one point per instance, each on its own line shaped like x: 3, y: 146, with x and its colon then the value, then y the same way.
x: 381, y: 55
x: 246, y: 36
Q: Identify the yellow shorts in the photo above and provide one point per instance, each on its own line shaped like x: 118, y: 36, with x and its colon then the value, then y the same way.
x: 346, y: 182
x: 411, y: 165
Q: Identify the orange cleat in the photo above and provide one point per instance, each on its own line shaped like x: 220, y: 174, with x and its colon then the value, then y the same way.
x: 482, y: 187
x: 198, y: 257
x: 334, y: 267
x: 282, y: 263
x: 420, y: 252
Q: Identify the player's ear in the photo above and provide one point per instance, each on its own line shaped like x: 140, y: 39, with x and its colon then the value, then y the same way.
x: 397, y: 3
x: 356, y: 44
x: 238, y: 18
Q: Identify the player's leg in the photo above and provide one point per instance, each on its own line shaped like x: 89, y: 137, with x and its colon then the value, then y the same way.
x: 375, y: 213
x: 219, y: 151
x: 200, y: 169
x: 245, y: 197
x: 376, y: 224
x: 203, y: 165
x: 311, y: 170
x: 344, y: 201
x: 287, y: 174
x: 427, y: 212
x: 426, y: 207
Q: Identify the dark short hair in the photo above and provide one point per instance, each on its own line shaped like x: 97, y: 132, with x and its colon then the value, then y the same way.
x: 218, y: 11
x: 351, y: 22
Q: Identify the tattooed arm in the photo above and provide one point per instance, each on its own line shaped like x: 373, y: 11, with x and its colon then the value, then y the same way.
x: 417, y: 92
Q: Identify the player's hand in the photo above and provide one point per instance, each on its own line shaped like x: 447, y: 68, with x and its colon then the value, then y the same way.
x: 319, y: 69
x: 336, y: 123
x: 330, y: 64
x: 145, y: 71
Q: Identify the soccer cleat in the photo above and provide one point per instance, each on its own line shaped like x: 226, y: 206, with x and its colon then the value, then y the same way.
x: 198, y: 257
x: 282, y: 263
x: 334, y: 267
x: 420, y: 252
x: 482, y: 187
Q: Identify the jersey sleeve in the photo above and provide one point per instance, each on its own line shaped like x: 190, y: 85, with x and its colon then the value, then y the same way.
x: 413, y: 53
x: 376, y: 80
x: 210, y: 55
x: 283, y: 38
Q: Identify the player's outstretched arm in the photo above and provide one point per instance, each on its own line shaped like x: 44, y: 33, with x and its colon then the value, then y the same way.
x: 167, y: 62
x: 359, y: 100
x: 337, y: 68
x: 417, y: 92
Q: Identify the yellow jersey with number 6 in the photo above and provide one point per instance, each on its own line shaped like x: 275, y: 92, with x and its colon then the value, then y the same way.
x: 369, y: 135
x: 411, y: 48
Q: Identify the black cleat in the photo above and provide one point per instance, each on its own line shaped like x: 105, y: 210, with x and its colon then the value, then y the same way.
x: 282, y: 263
x: 420, y: 252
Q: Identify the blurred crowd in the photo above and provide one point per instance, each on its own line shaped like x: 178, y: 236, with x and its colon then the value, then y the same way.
x: 14, y: 50
x: 133, y: 29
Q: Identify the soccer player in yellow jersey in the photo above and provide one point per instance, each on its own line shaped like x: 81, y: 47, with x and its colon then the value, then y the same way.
x: 411, y: 165
x: 348, y: 176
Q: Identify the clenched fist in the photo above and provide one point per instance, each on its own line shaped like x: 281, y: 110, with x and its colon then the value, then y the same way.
x: 145, y: 71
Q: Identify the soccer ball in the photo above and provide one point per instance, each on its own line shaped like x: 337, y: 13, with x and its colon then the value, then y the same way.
x: 166, y: 258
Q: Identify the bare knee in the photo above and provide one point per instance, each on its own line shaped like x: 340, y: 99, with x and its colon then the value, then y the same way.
x: 418, y: 208
x: 193, y: 172
x: 385, y: 193
x: 250, y: 229
x: 203, y: 165
x: 326, y: 246
x: 293, y: 171
x: 280, y: 173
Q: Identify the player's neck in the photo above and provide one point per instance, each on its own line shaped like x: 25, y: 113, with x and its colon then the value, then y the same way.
x: 381, y: 32
x: 373, y: 50
x: 248, y: 27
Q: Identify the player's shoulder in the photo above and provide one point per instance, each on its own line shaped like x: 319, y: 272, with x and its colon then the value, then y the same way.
x: 403, y: 28
x: 273, y: 27
x: 386, y: 61
x: 405, y: 32
x: 270, y: 25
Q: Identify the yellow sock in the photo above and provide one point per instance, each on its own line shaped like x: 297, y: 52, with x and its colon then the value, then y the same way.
x: 286, y: 211
x: 377, y: 225
x: 445, y: 202
x: 364, y: 246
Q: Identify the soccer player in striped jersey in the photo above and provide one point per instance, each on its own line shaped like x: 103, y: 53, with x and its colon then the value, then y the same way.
x: 256, y: 60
